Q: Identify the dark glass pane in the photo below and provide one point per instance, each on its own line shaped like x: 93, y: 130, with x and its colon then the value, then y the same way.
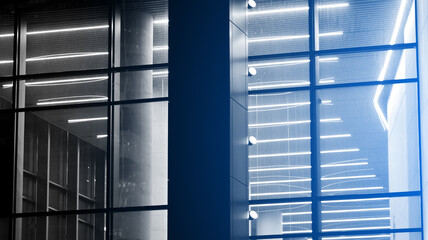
x: 380, y: 236
x: 145, y: 225
x: 6, y: 90
x: 369, y: 136
x: 280, y: 161
x: 67, y: 150
x: 143, y: 32
x: 6, y: 44
x: 140, y: 159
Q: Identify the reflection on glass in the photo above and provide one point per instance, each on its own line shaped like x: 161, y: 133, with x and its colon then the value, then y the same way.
x: 367, y: 66
x: 282, y: 218
x: 380, y: 236
x: 67, y: 40
x: 278, y: 27
x: 140, y: 154
x: 371, y: 214
x: 140, y: 225
x: 63, y: 161
x: 365, y: 23
x: 86, y: 226
x: 6, y: 44
x: 141, y: 84
x: 373, y: 140
x: 144, y: 33
x: 6, y: 90
x: 65, y: 90
x: 280, y: 161
x: 279, y: 73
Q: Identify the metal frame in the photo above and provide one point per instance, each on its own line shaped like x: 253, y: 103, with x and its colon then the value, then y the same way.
x: 316, y: 197
x: 110, y: 70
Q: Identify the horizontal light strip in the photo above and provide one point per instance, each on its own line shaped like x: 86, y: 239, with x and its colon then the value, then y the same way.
x: 351, y: 189
x: 278, y: 169
x: 5, y: 35
x: 280, y: 204
x: 295, y: 213
x: 86, y: 120
x: 159, y: 48
x: 281, y: 85
x: 281, y: 181
x: 279, y: 105
x: 161, y: 73
x: 357, y: 210
x: 68, y: 30
x: 52, y: 82
x: 292, y: 122
x: 280, y: 154
x: 283, y: 139
x: 335, y: 136
x: 72, y: 55
x: 292, y: 37
x: 6, y: 61
x: 326, y: 81
x: 326, y: 102
x: 297, y: 223
x: 336, y: 5
x: 354, y: 229
x: 357, y: 237
x: 45, y: 102
x: 297, y: 9
x: 341, y: 150
x: 299, y: 231
x: 278, y: 63
x: 331, y: 120
x: 161, y: 21
x: 330, y: 59
x: 355, y: 200
x: 344, y: 164
x: 348, y: 177
x: 278, y: 193
x: 102, y: 136
x: 356, y: 220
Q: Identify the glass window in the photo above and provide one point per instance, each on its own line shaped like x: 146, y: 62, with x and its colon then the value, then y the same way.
x: 140, y: 225
x: 280, y: 161
x: 140, y: 154
x: 6, y: 44
x: 368, y: 137
x: 64, y: 160
x: 6, y: 91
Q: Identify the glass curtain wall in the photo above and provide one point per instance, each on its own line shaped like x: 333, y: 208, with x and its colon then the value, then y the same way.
x: 84, y: 85
x: 334, y: 109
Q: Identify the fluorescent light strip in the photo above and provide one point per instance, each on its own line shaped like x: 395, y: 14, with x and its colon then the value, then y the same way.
x: 335, y: 136
x: 70, y: 101
x: 299, y: 231
x: 278, y: 169
x: 356, y: 220
x: 160, y: 48
x: 331, y: 120
x: 282, y: 38
x: 102, y: 136
x: 341, y: 150
x: 53, y: 82
x: 278, y: 85
x: 351, y: 189
x: 292, y: 122
x: 86, y: 120
x: 161, y: 21
x: 279, y: 105
x: 64, y: 56
x: 336, y: 5
x: 281, y: 181
x: 348, y: 177
x: 265, y: 64
x: 355, y: 229
x: 357, y: 210
x: 279, y: 154
x: 296, y: 213
x: 325, y: 81
x: 278, y: 193
x: 6, y: 61
x: 330, y: 59
x: 297, y: 9
x: 280, y: 204
x: 326, y: 102
x: 5, y: 35
x: 68, y: 30
x: 357, y: 237
x: 355, y: 200
x: 297, y: 223
x: 344, y: 164
x: 160, y: 73
x: 283, y: 139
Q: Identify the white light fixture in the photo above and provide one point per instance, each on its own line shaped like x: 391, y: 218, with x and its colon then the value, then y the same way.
x: 278, y: 123
x: 280, y: 204
x: 355, y: 229
x: 279, y: 105
x: 297, y: 223
x: 331, y: 120
x: 66, y: 100
x: 161, y: 21
x: 65, y: 55
x: 344, y: 164
x: 68, y: 30
x: 326, y: 101
x: 281, y: 181
x: 336, y: 5
x: 335, y: 136
x: 252, y: 140
x: 253, y: 215
x: 279, y: 154
x: 252, y: 4
x: 357, y: 210
x: 297, y: 9
x: 354, y: 200
x: 351, y: 189
x: 80, y: 120
x: 296, y: 213
x: 252, y: 71
x: 297, y: 231
x: 279, y: 193
x: 329, y: 34
x: 5, y: 35
x: 160, y: 48
x: 102, y: 136
x: 283, y: 139
x: 329, y: 59
x: 340, y: 150
x: 6, y: 61
x: 157, y: 73
x: 278, y: 63
x: 347, y: 177
x: 280, y: 85
x: 356, y: 220
x: 278, y: 169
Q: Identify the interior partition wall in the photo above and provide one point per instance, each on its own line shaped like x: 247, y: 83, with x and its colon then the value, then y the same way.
x: 84, y: 113
x: 334, y: 107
